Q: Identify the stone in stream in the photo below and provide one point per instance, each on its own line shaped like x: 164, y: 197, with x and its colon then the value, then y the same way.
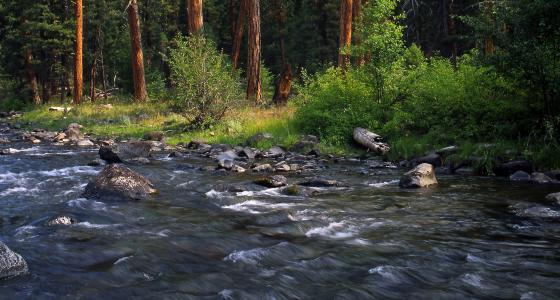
x: 507, y: 169
x: 272, y: 181
x: 8, y: 151
x: 107, y: 154
x: 274, y: 152
x: 247, y: 152
x: 538, y: 212
x: 371, y: 141
x: 520, y: 176
x: 421, y: 176
x: 60, y: 220
x: 433, y: 159
x: 85, y: 143
x: 73, y: 132
x: 541, y: 178
x: 554, y: 197
x: 319, y: 182
x: 554, y: 174
x: 117, y: 182
x: 11, y: 263
x: 263, y: 168
x: 134, y: 149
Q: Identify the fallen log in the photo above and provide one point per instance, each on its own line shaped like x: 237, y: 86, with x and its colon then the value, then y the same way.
x: 371, y: 141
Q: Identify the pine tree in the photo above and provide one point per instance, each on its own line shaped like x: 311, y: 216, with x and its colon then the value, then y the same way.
x: 140, y: 91
x: 254, y: 89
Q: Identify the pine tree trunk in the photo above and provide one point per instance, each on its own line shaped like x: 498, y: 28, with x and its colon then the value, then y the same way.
x: 140, y: 92
x: 283, y: 86
x: 254, y: 51
x: 345, y: 33
x: 78, y: 60
x: 32, y: 77
x: 488, y: 40
x: 194, y: 10
x: 238, y: 34
x: 357, y: 15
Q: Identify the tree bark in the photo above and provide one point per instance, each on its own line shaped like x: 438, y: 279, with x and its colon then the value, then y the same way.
x: 238, y: 34
x: 32, y: 77
x: 78, y: 59
x: 194, y: 14
x: 140, y: 92
x: 357, y: 15
x: 283, y: 86
x: 254, y: 90
x: 488, y: 40
x: 345, y: 33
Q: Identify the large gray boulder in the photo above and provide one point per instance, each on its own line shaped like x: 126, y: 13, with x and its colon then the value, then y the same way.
x: 134, y: 149
x: 11, y: 263
x: 421, y: 176
x: 371, y: 141
x: 117, y: 182
x: 73, y: 132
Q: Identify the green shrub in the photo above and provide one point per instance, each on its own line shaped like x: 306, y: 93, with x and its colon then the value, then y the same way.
x: 205, y: 85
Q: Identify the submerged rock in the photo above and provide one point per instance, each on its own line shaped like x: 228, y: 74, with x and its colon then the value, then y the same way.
x: 11, y: 263
x: 272, y: 181
x: 371, y: 141
x: 263, y: 168
x: 117, y: 182
x: 421, y: 176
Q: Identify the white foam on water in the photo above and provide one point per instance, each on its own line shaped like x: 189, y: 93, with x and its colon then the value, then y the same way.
x: 335, y: 230
x: 21, y: 191
x: 386, y: 272
x: 275, y: 192
x: 213, y: 194
x: 382, y: 184
x: 185, y: 184
x: 77, y: 170
x: 95, y: 226
x: 226, y: 294
x: 252, y: 256
x: 123, y: 259
x: 250, y: 206
x: 359, y: 242
x: 474, y: 259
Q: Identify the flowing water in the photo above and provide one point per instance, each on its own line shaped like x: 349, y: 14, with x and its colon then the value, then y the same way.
x: 194, y: 240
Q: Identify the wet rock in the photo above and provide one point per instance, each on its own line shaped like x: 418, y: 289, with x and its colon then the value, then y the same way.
x: 555, y: 197
x: 507, y: 169
x: 225, y: 164
x: 272, y: 181
x: 60, y: 137
x: 520, y: 176
x: 117, y: 182
x: 11, y: 263
x: 319, y: 182
x: 96, y: 162
x: 274, y: 152
x: 538, y: 212
x: 197, y: 144
x: 421, y: 176
x: 8, y: 151
x: 259, y: 137
x: 263, y: 168
x: 554, y: 174
x: 540, y: 178
x: 175, y: 154
x: 134, y: 149
x: 4, y: 140
x: 304, y: 147
x: 85, y: 143
x: 371, y: 141
x: 60, y: 220
x: 140, y: 160
x: 238, y: 169
x: 36, y: 141
x: 107, y: 154
x: 283, y: 167
x: 73, y: 132
x: 208, y: 168
x: 433, y: 159
x: 158, y: 136
x: 247, y: 152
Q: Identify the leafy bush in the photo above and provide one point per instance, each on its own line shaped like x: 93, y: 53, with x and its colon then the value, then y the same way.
x: 206, y: 87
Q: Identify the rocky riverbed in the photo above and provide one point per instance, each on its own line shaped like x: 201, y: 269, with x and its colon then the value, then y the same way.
x: 237, y: 223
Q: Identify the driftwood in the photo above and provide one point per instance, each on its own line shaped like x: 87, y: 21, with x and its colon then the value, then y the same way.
x: 61, y: 109
x: 371, y: 141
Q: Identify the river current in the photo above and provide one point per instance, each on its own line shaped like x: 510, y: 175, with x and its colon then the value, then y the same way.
x: 215, y: 235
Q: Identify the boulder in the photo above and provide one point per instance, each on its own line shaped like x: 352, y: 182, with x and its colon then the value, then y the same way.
x: 85, y: 143
x: 371, y: 141
x: 117, y: 182
x: 520, y: 176
x: 134, y: 149
x: 433, y: 159
x: 107, y: 154
x: 11, y: 263
x: 157, y: 136
x: 238, y: 169
x: 274, y: 152
x: 554, y: 197
x: 507, y: 169
x: 305, y: 145
x: 554, y: 174
x: 263, y: 168
x: 540, y: 178
x: 319, y: 182
x: 259, y: 137
x: 73, y: 132
x: 421, y: 176
x: 247, y: 152
x: 272, y: 181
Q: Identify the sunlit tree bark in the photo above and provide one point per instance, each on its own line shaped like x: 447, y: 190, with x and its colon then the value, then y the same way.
x: 238, y: 34
x: 195, y: 17
x: 345, y: 33
x: 140, y: 92
x: 78, y: 59
x: 254, y: 90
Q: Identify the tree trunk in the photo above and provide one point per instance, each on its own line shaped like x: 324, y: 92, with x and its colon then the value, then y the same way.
x: 357, y: 15
x: 140, y: 92
x: 32, y: 77
x: 78, y: 60
x: 345, y: 33
x: 488, y: 40
x: 254, y: 51
x: 194, y: 14
x: 238, y: 34
x: 283, y: 86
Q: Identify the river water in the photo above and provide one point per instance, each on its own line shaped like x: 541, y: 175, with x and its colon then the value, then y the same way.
x: 367, y: 239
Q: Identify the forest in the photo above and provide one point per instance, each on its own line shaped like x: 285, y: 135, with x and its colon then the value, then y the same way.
x: 422, y: 74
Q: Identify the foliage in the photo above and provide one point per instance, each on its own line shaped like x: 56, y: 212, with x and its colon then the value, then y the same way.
x: 206, y: 86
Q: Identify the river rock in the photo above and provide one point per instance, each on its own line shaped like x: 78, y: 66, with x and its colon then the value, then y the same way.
x: 247, y: 152
x: 225, y: 164
x: 238, y: 169
x: 8, y: 151
x: 540, y: 178
x: 157, y: 136
x: 538, y: 212
x: 11, y: 263
x: 134, y: 149
x: 319, y: 182
x: 554, y: 197
x: 433, y: 159
x: 274, y: 152
x: 117, y: 182
x: 507, y: 169
x: 61, y: 220
x: 263, y: 168
x: 96, y: 162
x: 520, y: 176
x: 85, y: 143
x: 73, y: 132
x: 107, y: 154
x: 421, y: 176
x: 371, y: 141
x: 272, y: 181
x: 60, y: 137
x: 554, y: 174
x: 259, y: 137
